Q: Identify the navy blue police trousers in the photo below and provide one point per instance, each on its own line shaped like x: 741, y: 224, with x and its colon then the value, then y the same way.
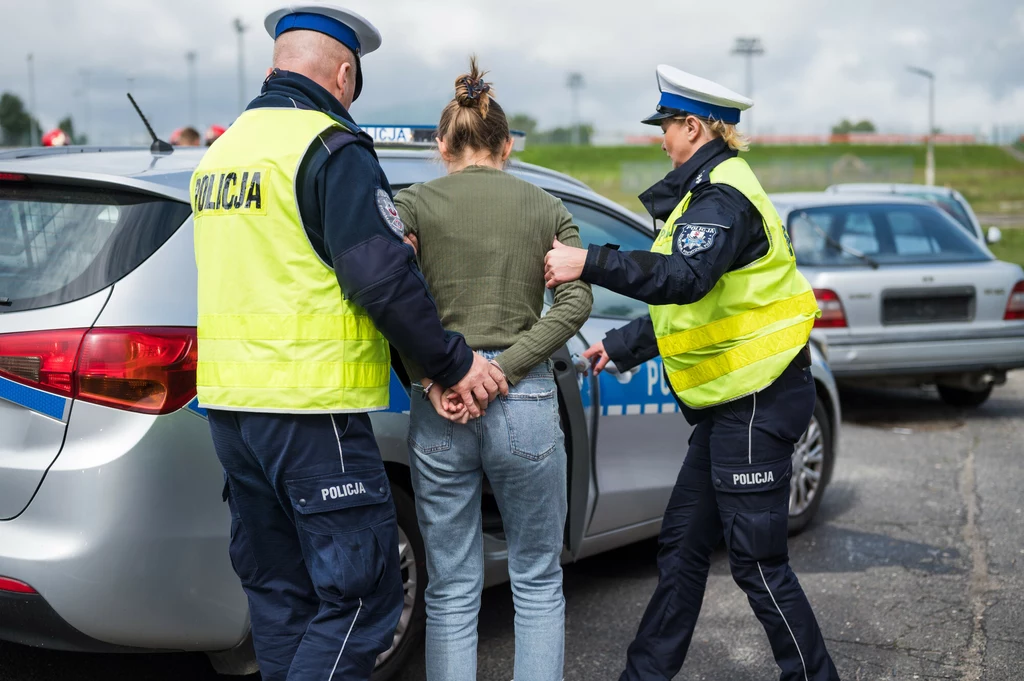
x: 314, y: 541
x: 734, y: 484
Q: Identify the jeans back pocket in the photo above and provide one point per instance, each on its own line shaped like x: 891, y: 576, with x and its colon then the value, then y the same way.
x: 429, y: 432
x: 531, y: 412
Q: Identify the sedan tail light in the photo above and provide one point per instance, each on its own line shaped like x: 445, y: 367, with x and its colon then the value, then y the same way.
x: 1015, y: 305
x: 147, y: 370
x: 832, y: 314
x: 14, y: 586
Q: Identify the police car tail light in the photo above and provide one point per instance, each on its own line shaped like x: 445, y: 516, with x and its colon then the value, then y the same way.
x: 147, y: 370
x: 42, y: 359
x: 832, y: 314
x: 14, y: 586
x: 1015, y: 305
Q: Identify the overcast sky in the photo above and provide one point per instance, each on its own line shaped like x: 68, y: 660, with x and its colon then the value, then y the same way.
x: 825, y: 60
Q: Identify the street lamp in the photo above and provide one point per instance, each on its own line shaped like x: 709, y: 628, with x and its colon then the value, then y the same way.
x: 87, y: 120
x: 575, y: 84
x: 749, y: 48
x: 240, y: 29
x: 32, y: 131
x: 929, y: 164
x: 193, y: 96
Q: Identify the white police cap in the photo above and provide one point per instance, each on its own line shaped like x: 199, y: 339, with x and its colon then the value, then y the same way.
x: 684, y: 93
x: 345, y: 26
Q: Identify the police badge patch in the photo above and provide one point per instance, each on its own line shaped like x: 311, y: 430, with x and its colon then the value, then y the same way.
x: 390, y: 214
x: 693, y: 239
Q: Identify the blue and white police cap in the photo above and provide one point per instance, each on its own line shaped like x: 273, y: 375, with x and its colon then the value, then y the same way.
x: 345, y: 26
x: 683, y: 94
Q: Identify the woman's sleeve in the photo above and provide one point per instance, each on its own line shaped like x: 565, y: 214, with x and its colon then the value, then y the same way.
x: 570, y: 310
x: 405, y: 202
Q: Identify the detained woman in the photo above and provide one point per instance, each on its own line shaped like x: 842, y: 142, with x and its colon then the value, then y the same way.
x: 481, y: 235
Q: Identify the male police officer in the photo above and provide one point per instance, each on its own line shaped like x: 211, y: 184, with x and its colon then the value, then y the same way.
x: 731, y: 317
x: 303, y: 280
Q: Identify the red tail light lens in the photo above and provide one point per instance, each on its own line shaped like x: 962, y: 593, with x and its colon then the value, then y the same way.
x: 1015, y: 305
x: 14, y: 586
x: 147, y: 370
x: 832, y: 314
x: 43, y: 359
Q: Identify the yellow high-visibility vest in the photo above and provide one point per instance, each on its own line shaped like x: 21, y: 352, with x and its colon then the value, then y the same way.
x: 740, y: 337
x: 275, y: 332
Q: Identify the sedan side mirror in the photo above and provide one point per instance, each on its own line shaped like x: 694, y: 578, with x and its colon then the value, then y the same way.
x: 993, y: 235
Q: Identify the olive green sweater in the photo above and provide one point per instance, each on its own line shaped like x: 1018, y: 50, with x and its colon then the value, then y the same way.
x: 482, y: 238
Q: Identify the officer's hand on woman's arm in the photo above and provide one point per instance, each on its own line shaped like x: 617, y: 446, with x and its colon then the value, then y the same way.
x: 411, y: 240
x: 563, y: 264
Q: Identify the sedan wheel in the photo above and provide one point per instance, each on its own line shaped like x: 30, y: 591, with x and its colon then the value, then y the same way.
x: 812, y: 465
x: 411, y: 558
x: 407, y: 561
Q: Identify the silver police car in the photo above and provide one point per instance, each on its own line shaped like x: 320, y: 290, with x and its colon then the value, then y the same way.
x: 113, y: 534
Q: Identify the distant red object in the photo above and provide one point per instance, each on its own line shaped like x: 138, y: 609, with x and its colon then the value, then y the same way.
x: 56, y: 138
x: 213, y: 132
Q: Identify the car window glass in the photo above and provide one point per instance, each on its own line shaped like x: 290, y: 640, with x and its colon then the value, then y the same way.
x: 952, y: 207
x: 59, y: 244
x: 910, y: 236
x: 889, y: 233
x: 857, y: 231
x: 598, y: 227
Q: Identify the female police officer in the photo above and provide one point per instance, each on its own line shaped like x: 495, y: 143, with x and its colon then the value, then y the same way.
x: 730, y: 316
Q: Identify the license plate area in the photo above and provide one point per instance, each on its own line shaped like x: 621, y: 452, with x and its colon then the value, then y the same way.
x: 928, y: 305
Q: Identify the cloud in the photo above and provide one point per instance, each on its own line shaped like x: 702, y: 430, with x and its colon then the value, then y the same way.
x: 824, y: 60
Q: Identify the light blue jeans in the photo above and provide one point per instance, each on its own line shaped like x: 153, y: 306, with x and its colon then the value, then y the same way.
x: 518, y: 445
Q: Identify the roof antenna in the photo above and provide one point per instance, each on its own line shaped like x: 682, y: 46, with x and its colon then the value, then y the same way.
x: 159, y: 147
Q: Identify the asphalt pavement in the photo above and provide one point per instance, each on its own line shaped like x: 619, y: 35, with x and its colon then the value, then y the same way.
x: 914, y: 568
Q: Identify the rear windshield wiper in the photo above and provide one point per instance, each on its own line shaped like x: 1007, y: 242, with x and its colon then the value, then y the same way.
x: 835, y: 243
x: 6, y: 302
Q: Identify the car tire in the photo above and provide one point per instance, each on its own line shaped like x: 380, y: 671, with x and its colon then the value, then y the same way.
x: 239, y: 661
x: 409, y: 633
x: 813, y: 454
x: 958, y: 397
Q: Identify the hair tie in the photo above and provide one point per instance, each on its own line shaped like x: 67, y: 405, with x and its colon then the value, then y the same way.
x: 475, y: 88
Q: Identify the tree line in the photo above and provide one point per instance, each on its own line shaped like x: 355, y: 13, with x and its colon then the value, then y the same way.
x: 16, y: 124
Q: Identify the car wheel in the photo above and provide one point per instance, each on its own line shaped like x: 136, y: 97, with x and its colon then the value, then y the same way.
x: 958, y: 397
x: 412, y: 558
x: 239, y: 661
x: 813, y: 458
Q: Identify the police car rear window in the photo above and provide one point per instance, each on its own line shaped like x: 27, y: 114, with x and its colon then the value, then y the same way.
x: 62, y: 243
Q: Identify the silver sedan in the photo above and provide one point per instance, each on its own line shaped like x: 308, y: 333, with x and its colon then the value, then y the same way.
x: 908, y: 296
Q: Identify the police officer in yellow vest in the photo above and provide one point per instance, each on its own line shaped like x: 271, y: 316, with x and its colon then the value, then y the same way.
x: 731, y: 316
x: 303, y: 281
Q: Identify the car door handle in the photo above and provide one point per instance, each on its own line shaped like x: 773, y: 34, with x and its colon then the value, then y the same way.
x: 621, y: 376
x: 582, y: 366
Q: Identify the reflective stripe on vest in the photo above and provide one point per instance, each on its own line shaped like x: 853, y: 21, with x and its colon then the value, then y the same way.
x: 276, y: 334
x: 741, y: 336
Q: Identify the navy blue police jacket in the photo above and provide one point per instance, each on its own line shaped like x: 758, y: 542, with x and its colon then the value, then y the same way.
x: 733, y: 237
x: 347, y: 224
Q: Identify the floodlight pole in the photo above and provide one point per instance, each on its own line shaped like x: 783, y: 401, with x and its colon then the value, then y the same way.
x: 749, y: 48
x: 929, y: 164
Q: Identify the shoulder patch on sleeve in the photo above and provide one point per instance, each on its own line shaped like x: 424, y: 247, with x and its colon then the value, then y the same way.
x: 389, y: 213
x: 692, y: 239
